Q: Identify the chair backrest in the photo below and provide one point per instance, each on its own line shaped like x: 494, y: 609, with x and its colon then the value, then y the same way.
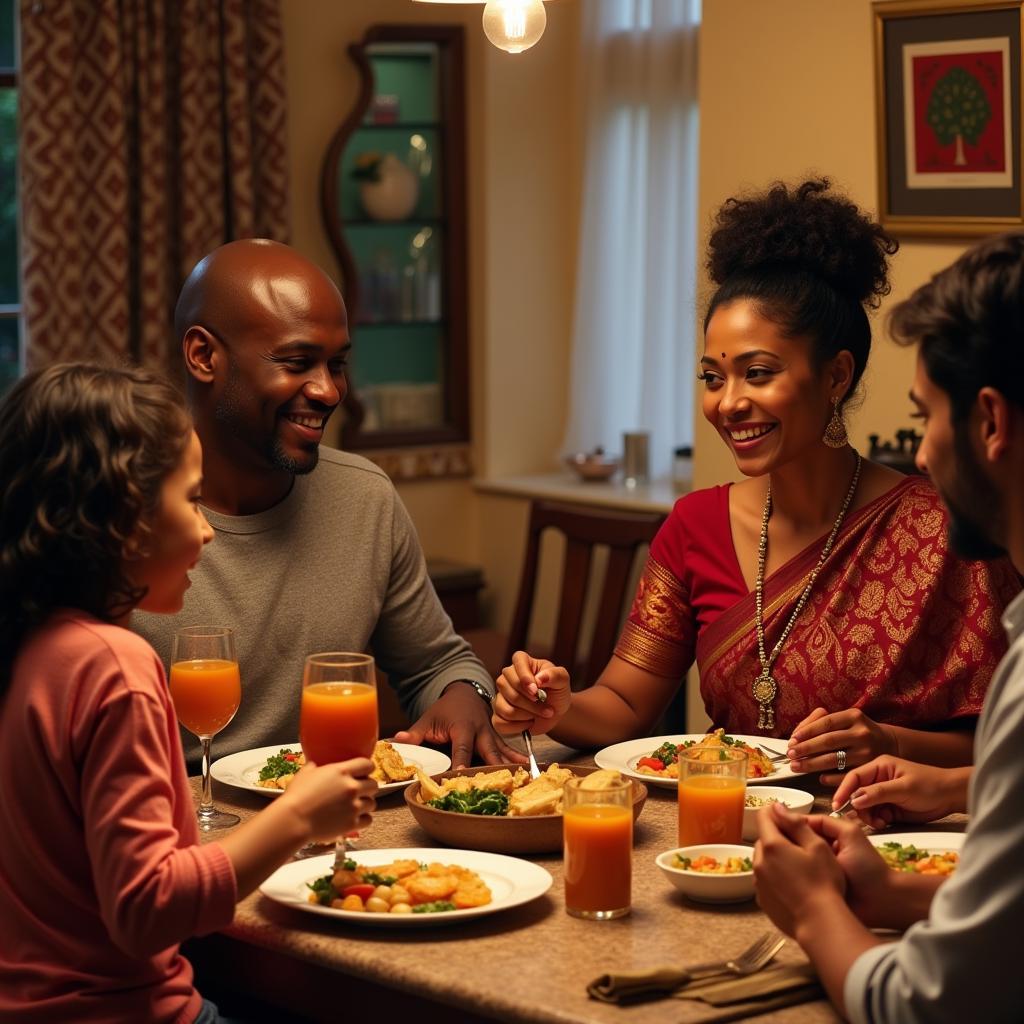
x: 584, y: 529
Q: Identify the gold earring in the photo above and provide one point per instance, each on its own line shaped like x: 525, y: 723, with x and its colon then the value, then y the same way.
x: 835, y: 435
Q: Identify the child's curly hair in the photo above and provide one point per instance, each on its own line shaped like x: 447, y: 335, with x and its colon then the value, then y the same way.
x: 84, y: 451
x: 809, y: 259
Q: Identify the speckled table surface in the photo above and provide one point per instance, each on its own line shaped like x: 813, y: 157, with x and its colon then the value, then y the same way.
x: 526, y: 964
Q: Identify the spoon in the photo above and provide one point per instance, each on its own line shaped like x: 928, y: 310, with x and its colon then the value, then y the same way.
x: 534, y: 769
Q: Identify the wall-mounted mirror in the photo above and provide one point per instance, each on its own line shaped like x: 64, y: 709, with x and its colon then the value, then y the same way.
x: 393, y: 196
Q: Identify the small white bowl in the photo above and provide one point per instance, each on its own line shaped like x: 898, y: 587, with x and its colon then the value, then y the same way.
x: 796, y: 800
x: 704, y: 887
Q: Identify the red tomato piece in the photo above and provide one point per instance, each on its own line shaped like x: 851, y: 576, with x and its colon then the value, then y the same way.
x: 363, y: 890
x: 651, y: 762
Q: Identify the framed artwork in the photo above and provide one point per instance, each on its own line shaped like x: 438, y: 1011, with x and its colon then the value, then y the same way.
x: 948, y: 94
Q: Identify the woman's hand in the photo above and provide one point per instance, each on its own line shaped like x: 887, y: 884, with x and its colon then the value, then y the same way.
x: 890, y: 789
x: 334, y: 798
x: 816, y: 740
x: 516, y: 706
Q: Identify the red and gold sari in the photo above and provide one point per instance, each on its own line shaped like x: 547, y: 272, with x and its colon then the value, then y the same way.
x: 896, y: 624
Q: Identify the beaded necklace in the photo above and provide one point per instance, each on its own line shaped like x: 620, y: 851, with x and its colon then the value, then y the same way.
x: 765, y: 687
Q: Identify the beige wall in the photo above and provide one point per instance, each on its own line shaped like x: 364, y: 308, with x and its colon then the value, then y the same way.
x: 787, y: 90
x: 523, y: 166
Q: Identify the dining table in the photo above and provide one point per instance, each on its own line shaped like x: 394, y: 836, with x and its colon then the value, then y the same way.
x: 528, y: 964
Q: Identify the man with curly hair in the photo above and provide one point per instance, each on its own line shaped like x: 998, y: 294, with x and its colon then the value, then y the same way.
x: 819, y: 879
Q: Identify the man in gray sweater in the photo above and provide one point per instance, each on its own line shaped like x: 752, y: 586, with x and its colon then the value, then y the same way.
x: 314, y: 550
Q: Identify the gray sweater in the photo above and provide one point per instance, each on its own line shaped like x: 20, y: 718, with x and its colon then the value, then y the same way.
x: 335, y: 566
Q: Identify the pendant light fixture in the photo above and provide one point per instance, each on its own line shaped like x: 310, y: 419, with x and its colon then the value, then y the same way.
x: 512, y: 25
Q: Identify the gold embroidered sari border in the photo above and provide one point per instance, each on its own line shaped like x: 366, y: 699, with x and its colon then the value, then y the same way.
x: 651, y: 652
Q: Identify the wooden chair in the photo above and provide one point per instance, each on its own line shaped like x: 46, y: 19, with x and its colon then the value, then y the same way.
x: 585, y: 529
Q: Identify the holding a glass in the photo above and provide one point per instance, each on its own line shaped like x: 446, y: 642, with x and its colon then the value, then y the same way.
x: 338, y: 717
x: 598, y: 846
x: 206, y: 690
x: 712, y: 790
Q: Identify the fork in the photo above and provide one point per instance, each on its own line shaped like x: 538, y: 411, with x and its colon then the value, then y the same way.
x: 773, y: 755
x: 759, y: 955
x: 528, y: 739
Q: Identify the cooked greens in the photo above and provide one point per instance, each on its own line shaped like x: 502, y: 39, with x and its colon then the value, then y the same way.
x: 433, y: 908
x: 474, y: 801
x: 284, y: 762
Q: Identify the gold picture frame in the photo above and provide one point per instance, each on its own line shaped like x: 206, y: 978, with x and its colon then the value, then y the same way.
x: 948, y: 116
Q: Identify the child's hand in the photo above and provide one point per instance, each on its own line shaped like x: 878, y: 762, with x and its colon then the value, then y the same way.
x: 334, y: 798
x: 518, y: 705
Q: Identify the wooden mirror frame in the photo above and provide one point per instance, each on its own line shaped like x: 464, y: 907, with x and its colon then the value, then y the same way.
x: 454, y: 297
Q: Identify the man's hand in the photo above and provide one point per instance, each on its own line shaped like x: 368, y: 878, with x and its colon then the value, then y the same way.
x: 795, y: 870
x: 460, y: 717
x: 890, y: 789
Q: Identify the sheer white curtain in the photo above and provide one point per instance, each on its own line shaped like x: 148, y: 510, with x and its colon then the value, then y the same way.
x: 633, y: 365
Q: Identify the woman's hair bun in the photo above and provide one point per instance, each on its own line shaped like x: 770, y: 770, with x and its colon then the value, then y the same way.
x: 805, y: 228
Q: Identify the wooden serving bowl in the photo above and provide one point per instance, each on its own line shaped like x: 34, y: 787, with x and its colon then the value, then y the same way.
x: 541, y: 833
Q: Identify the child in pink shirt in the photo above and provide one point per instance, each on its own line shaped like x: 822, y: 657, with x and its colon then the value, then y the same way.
x: 101, y: 871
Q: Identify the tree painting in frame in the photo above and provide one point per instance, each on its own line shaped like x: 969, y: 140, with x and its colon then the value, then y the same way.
x: 948, y: 77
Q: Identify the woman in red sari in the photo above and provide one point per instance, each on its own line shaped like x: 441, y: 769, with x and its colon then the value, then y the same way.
x: 874, y: 637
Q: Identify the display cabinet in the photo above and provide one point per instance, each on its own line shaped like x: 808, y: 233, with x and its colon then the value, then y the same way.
x: 393, y: 193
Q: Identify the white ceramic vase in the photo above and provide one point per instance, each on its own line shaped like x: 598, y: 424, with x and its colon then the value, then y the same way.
x: 394, y: 197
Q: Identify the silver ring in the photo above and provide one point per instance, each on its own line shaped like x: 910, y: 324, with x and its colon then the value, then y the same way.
x: 840, y: 760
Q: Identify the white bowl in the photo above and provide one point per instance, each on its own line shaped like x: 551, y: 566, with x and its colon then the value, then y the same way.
x: 703, y: 887
x: 796, y: 800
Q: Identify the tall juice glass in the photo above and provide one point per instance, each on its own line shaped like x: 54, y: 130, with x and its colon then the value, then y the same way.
x: 206, y: 690
x: 338, y: 717
x: 712, y: 788
x: 598, y: 847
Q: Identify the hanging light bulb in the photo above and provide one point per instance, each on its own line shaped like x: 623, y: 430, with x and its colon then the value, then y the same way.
x: 514, y: 25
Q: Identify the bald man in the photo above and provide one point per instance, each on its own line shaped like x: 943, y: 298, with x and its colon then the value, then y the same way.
x: 314, y: 550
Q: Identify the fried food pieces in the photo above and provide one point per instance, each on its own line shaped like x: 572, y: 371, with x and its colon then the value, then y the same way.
x: 388, y: 766
x: 422, y: 884
x: 527, y: 797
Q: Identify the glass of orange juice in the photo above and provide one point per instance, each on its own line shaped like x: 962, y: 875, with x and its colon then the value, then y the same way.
x: 338, y: 717
x: 206, y: 690
x: 597, y: 833
x: 712, y: 788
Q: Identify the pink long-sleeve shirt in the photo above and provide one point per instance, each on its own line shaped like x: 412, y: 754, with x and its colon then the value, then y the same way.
x: 101, y: 871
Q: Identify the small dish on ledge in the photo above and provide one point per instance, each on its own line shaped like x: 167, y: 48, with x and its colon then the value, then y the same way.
x: 593, y: 465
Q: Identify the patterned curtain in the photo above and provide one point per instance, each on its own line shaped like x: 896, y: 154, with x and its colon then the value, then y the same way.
x: 151, y: 132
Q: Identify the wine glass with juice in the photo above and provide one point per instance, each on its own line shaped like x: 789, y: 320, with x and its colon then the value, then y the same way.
x: 206, y: 690
x: 338, y: 717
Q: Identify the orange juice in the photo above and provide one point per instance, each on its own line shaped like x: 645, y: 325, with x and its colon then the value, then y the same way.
x: 206, y: 693
x: 598, y: 858
x: 338, y: 721
x: 710, y: 809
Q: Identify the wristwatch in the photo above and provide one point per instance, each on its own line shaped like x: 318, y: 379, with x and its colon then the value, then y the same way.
x: 482, y: 692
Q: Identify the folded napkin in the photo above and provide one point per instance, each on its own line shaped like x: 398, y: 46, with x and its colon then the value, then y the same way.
x: 768, y: 989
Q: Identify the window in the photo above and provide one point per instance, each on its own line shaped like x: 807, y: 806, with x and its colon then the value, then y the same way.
x: 11, y: 349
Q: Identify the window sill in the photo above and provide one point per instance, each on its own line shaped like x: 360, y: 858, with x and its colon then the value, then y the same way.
x: 657, y: 496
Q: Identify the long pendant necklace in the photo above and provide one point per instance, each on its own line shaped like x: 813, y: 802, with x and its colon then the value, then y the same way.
x: 765, y: 688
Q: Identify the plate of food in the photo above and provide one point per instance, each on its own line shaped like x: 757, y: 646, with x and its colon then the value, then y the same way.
x: 268, y: 770
x: 655, y: 759
x: 500, y: 808
x: 923, y: 853
x: 407, y: 888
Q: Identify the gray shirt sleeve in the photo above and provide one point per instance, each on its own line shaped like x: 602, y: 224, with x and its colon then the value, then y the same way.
x: 963, y: 963
x: 414, y: 642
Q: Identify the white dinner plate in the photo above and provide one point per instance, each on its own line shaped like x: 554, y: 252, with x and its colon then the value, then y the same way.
x: 933, y: 842
x: 243, y: 769
x: 624, y: 757
x: 512, y: 882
